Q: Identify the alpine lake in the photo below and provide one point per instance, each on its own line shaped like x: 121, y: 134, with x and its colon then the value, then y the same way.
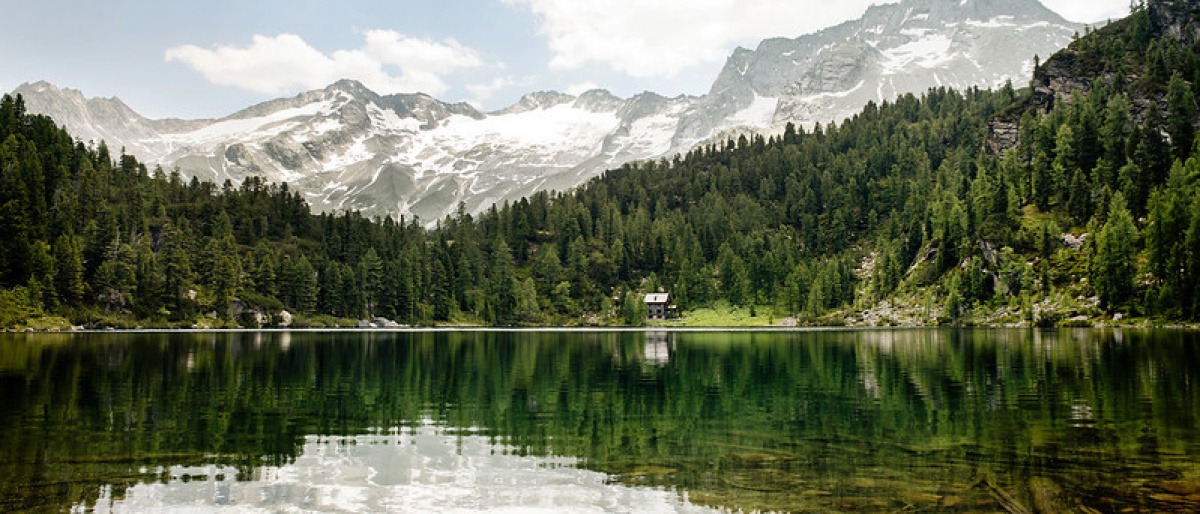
x: 948, y: 420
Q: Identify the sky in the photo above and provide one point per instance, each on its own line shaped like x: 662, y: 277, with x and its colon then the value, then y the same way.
x: 211, y: 58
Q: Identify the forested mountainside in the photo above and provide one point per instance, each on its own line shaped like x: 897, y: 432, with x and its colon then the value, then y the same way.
x: 1073, y: 201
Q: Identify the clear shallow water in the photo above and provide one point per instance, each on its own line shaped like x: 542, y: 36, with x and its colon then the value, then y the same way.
x: 922, y: 420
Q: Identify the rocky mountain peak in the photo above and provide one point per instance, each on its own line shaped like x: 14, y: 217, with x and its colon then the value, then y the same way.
x: 599, y: 100
x: 351, y: 87
x: 42, y: 87
x: 90, y: 119
x: 42, y: 91
x: 347, y: 147
x: 428, y: 109
x: 537, y: 100
x: 896, y: 48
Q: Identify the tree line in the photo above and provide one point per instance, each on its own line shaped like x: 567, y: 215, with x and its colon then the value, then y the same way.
x: 903, y: 200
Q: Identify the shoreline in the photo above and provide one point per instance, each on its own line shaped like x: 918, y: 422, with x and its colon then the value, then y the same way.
x: 648, y: 329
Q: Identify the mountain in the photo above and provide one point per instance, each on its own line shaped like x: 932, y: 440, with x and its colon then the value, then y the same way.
x: 904, y: 214
x: 346, y: 147
x: 892, y: 50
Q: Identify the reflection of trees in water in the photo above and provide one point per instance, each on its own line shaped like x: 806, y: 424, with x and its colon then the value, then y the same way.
x: 744, y: 419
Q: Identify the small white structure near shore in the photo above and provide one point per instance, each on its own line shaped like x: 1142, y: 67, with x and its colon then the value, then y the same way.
x: 659, y: 306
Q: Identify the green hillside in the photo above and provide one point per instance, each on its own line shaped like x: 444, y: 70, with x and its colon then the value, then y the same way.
x: 1069, y: 202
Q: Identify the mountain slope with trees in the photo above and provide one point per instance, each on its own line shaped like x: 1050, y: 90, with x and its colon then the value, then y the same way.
x: 913, y: 211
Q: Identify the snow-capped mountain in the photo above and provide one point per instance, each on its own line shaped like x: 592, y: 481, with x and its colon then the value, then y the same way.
x: 346, y: 147
x: 893, y: 49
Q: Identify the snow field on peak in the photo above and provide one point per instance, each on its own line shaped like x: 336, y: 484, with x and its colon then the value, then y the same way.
x: 759, y: 113
x: 651, y: 136
x: 559, y: 128
x: 356, y: 153
x: 928, y: 52
x: 254, y: 128
x: 549, y: 135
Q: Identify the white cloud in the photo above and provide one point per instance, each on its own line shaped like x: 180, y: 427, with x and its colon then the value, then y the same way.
x: 1089, y: 11
x: 660, y: 38
x: 284, y: 63
x: 580, y: 88
x: 481, y: 93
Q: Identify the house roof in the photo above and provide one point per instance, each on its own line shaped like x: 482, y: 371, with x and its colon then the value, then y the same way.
x: 658, y: 298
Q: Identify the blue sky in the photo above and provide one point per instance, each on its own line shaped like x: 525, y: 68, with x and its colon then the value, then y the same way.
x: 207, y: 59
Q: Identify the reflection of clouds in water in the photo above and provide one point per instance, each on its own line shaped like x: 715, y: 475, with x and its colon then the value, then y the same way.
x: 411, y: 470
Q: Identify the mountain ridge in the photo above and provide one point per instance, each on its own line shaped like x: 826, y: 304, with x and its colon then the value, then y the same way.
x: 347, y: 147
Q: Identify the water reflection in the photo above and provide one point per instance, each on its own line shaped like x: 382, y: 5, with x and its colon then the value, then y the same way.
x: 965, y: 420
x: 425, y: 468
x: 657, y: 348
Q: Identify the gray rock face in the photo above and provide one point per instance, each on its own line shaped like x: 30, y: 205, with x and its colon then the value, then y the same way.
x: 99, y: 119
x: 1176, y: 19
x: 346, y: 147
x: 892, y: 50
x: 1003, y: 134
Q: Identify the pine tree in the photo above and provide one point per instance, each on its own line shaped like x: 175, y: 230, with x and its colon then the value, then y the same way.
x: 224, y: 272
x: 955, y: 306
x: 68, y: 254
x: 1190, y: 287
x: 1112, y: 264
x: 1079, y: 198
x: 501, y: 298
x: 527, y: 309
x: 633, y: 309
x: 1181, y: 115
x: 43, y: 270
x: 441, y: 292
x: 147, y: 299
x: 1066, y: 156
x: 370, y: 279
x: 547, y: 269
x: 116, y: 276
x: 298, y: 287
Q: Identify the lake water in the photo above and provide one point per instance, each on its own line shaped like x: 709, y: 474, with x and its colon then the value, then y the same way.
x: 856, y: 420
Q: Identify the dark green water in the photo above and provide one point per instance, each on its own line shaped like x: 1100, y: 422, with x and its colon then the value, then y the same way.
x: 926, y: 420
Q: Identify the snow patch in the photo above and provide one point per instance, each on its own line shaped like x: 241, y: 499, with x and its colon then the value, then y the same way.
x: 290, y: 176
x: 555, y: 135
x: 388, y: 120
x: 928, y: 52
x: 356, y: 153
x: 1044, y: 24
x: 323, y: 127
x: 647, y: 137
x: 837, y: 94
x: 994, y: 23
x: 759, y: 114
x: 257, y: 127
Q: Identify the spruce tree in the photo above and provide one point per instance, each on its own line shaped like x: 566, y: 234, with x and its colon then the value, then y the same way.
x: 1112, y: 263
x: 1181, y: 116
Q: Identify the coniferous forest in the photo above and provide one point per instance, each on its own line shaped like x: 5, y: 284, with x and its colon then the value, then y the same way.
x: 1070, y: 201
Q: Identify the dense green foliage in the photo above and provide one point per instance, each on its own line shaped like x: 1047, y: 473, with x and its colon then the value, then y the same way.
x: 907, y: 200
